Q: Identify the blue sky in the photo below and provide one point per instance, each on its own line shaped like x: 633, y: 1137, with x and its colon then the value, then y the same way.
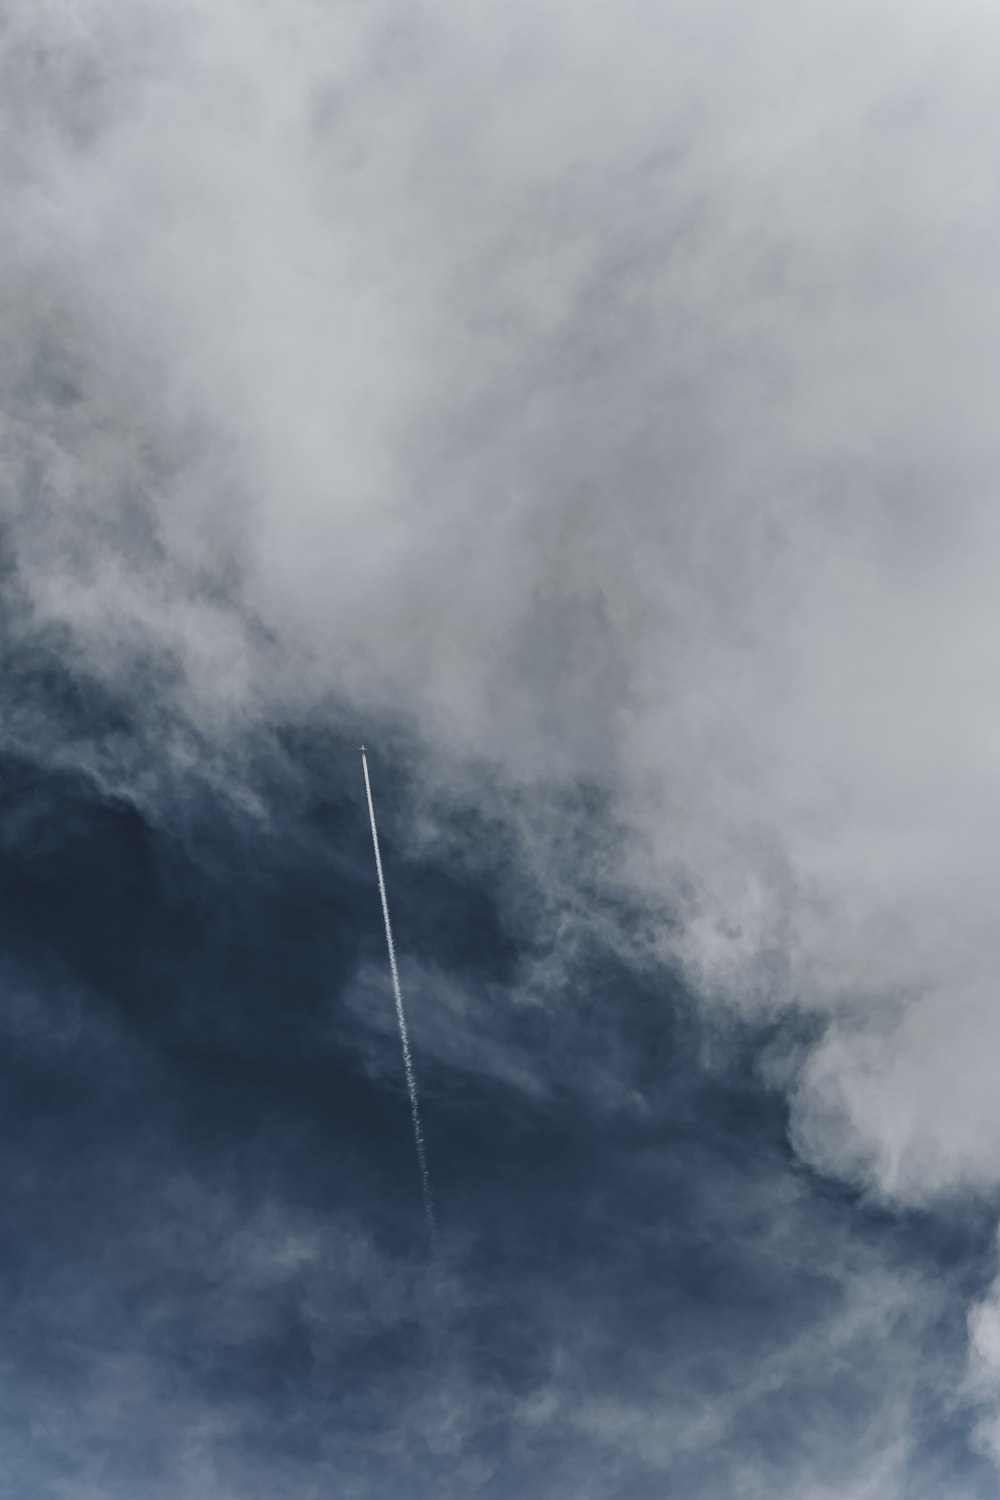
x: 592, y: 410
x: 217, y: 1273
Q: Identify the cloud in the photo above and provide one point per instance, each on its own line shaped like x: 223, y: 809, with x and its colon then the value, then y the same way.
x: 983, y: 1374
x: 594, y: 396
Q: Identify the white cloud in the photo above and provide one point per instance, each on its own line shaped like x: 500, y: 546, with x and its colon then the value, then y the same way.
x: 597, y: 391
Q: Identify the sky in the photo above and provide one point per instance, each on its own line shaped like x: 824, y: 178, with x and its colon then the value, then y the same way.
x: 591, y: 408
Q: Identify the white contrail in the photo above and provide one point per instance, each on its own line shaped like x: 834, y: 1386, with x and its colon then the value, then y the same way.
x: 411, y: 1081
